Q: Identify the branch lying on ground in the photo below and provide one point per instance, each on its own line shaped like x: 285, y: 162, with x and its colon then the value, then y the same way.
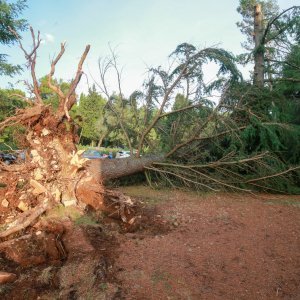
x: 273, y: 175
x: 25, y: 219
x: 230, y: 172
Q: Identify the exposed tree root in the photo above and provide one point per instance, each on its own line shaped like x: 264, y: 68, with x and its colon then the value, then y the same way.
x: 122, y: 204
x: 26, y: 219
x: 15, y: 168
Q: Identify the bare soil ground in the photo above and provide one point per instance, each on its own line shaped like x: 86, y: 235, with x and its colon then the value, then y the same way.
x: 222, y: 246
x: 188, y: 246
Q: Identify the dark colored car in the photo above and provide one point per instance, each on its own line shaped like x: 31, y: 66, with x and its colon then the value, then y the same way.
x: 8, y: 158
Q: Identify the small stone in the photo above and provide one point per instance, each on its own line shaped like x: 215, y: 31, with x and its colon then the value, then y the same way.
x: 4, y: 203
x: 175, y: 224
x: 7, y: 277
x: 38, y: 188
x: 55, y: 167
x: 38, y: 233
x: 23, y: 197
x: 35, y: 156
x: 37, y: 142
x: 57, y: 195
x: 20, y: 184
x: 38, y: 174
x: 45, y: 132
x: 9, y: 219
x: 34, y: 153
x: 67, y: 203
x: 23, y: 206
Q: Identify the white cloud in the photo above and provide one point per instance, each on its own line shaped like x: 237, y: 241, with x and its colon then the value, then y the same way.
x: 49, y: 38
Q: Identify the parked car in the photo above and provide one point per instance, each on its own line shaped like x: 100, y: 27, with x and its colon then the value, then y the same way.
x: 15, y: 156
x: 91, y: 154
x: 123, y: 154
x: 8, y: 158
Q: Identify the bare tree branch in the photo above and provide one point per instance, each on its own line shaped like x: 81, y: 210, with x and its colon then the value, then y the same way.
x: 53, y: 87
x: 31, y: 59
x: 68, y: 105
x: 271, y: 22
x: 273, y: 175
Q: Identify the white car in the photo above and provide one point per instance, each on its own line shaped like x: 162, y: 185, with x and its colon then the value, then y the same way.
x: 123, y: 154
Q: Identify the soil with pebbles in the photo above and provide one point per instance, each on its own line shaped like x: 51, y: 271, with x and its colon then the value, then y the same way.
x: 186, y: 246
x: 221, y: 246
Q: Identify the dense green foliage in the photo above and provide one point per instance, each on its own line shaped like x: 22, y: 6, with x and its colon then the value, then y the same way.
x: 8, y: 104
x: 9, y: 16
x: 48, y: 96
x: 90, y: 116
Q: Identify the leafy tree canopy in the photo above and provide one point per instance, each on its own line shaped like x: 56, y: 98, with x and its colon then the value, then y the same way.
x: 10, y: 19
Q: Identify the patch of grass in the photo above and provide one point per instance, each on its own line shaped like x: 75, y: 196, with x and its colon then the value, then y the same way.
x: 46, y: 275
x: 158, y: 276
x: 148, y: 195
x: 61, y: 212
x: 161, y: 277
x: 284, y: 202
x: 3, y: 227
x: 5, y: 289
x: 85, y: 220
x: 152, y: 196
x: 21, y: 184
x: 103, y: 286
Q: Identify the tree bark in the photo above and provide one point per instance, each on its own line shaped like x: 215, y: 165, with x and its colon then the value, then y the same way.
x: 107, y: 169
x: 101, y: 140
x: 258, y: 79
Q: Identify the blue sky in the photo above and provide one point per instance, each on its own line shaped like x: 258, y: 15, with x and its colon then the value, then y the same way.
x: 144, y: 33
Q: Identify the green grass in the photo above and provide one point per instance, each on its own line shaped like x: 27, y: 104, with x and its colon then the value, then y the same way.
x: 101, y: 149
x: 284, y: 202
x: 61, y: 212
x: 85, y: 220
x: 148, y: 195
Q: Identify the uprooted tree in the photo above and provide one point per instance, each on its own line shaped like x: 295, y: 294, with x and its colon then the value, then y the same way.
x: 202, y: 144
x: 238, y: 144
x: 54, y: 171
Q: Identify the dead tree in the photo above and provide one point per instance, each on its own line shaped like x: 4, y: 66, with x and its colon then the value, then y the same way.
x: 185, y: 76
x: 258, y: 78
x: 265, y: 34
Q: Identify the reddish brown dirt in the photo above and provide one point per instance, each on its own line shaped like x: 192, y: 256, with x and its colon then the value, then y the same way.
x: 187, y: 246
x: 222, y: 246
x: 12, y: 192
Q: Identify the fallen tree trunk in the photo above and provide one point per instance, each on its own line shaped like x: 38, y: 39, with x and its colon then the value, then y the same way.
x: 106, y: 169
